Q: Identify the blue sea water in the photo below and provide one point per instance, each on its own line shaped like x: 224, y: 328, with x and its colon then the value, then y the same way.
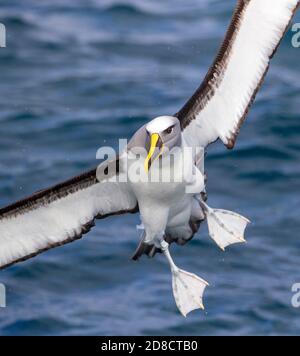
x: 78, y: 74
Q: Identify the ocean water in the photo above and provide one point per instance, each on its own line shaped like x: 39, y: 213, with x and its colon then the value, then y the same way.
x: 78, y: 74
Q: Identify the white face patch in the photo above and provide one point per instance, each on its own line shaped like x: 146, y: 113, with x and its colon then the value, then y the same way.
x: 160, y: 124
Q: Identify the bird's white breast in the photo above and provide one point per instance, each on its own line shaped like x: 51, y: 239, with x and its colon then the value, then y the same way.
x: 167, y: 190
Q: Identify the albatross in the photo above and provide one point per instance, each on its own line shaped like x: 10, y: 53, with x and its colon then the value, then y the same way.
x: 160, y: 173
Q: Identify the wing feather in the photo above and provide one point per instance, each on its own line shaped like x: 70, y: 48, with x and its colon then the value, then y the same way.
x: 220, y: 105
x: 59, y: 215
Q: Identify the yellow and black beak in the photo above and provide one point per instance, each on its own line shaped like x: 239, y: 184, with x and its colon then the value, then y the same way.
x: 154, y: 152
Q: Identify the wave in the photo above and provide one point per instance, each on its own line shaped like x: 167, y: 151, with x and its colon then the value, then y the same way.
x: 18, y: 21
x: 126, y: 9
x: 256, y: 152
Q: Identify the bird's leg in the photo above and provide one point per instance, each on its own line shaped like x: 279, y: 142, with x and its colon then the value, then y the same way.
x: 225, y: 227
x: 188, y: 288
x: 143, y: 248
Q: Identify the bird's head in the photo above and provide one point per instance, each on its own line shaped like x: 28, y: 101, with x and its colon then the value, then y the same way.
x: 163, y: 134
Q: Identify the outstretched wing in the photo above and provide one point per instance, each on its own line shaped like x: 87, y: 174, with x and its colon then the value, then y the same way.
x: 59, y: 215
x: 220, y: 105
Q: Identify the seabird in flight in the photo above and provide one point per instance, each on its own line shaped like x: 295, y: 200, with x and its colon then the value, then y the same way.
x: 171, y: 210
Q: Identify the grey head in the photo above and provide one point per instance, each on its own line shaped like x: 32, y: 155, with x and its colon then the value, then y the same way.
x: 158, y: 137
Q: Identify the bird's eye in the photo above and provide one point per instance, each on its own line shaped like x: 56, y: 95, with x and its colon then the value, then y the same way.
x: 169, y: 130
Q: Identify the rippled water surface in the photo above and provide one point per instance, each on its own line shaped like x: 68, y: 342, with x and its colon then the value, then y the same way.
x: 79, y: 74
